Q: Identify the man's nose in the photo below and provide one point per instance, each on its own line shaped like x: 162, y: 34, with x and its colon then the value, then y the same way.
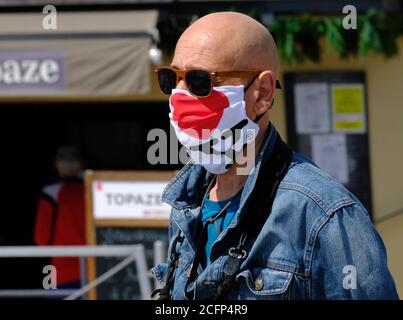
x: 181, y: 85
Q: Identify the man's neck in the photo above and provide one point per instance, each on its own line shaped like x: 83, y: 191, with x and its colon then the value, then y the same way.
x: 228, y: 184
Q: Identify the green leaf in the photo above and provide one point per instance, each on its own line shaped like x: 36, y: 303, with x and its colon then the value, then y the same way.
x: 369, y: 39
x: 333, y: 34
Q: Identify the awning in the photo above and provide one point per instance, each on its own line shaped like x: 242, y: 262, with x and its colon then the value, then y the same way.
x: 89, y: 54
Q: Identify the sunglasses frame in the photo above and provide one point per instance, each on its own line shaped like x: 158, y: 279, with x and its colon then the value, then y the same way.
x: 214, y: 76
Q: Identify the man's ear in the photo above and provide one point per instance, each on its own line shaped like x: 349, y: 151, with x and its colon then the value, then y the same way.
x: 265, y: 86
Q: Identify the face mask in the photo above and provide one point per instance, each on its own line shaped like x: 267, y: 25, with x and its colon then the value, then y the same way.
x: 213, y: 129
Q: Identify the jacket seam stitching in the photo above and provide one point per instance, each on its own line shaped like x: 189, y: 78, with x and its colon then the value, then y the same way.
x: 319, y: 225
x: 306, y: 192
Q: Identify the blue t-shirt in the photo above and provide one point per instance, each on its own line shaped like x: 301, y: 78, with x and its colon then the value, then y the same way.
x: 209, y: 210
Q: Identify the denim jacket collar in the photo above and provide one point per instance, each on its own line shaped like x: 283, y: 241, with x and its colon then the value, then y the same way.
x: 187, y: 188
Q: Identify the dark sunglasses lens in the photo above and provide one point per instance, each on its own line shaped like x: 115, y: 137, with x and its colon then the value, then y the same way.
x: 167, y: 80
x: 198, y: 82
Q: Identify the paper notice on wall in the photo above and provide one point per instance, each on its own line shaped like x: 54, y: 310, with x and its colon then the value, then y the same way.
x: 348, y: 108
x: 312, y: 109
x: 329, y: 152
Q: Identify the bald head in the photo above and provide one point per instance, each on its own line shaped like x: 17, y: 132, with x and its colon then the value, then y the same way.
x: 226, y: 41
x: 231, y: 41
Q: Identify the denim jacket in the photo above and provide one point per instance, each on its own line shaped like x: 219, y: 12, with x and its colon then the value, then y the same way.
x: 317, y: 243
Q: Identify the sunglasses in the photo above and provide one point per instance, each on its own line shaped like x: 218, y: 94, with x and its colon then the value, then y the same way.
x: 199, y: 82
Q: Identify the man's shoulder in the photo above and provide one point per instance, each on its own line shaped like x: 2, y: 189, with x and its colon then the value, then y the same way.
x: 305, y: 182
x: 305, y: 202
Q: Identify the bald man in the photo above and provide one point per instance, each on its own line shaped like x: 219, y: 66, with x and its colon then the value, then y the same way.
x: 250, y: 218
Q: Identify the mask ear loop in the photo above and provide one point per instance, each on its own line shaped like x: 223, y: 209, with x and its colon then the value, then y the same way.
x: 260, y: 116
x: 278, y: 86
x: 250, y: 83
x: 246, y: 89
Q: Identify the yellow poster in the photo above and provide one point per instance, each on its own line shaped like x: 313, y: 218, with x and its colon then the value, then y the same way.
x: 348, y: 105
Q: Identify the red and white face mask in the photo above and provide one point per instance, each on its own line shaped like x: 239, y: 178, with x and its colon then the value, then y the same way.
x: 212, y: 129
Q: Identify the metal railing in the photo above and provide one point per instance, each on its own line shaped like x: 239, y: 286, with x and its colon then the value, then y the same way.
x: 131, y: 253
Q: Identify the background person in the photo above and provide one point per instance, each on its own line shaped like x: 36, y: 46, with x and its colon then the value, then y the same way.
x: 60, y: 218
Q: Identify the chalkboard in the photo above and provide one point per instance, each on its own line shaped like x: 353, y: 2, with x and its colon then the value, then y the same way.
x: 359, y: 182
x: 124, y: 285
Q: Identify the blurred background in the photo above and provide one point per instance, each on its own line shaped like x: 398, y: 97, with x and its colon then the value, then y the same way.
x: 78, y: 91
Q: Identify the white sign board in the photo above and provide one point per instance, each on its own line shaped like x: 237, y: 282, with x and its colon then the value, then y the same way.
x: 129, y: 200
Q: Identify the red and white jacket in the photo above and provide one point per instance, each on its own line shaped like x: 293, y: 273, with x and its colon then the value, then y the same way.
x: 60, y: 220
